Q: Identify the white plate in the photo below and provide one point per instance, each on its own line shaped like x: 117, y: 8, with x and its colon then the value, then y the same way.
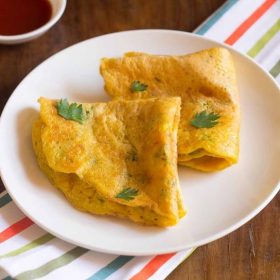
x: 217, y: 203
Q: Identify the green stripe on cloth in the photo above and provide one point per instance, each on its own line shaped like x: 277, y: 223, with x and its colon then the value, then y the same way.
x: 52, y: 265
x: 5, y: 199
x: 272, y: 31
x: 215, y: 17
x: 275, y: 69
x: 110, y: 268
x: 35, y: 243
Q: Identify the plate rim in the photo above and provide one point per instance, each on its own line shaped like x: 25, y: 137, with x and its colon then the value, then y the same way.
x: 146, y: 252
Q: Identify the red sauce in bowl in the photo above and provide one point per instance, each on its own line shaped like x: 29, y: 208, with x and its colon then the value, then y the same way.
x: 22, y: 16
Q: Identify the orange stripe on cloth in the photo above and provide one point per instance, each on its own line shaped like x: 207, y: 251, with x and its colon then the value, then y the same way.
x: 152, y: 266
x: 245, y: 25
x: 15, y: 229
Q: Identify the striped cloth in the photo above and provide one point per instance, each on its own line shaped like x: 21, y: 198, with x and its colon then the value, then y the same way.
x: 28, y: 252
x: 252, y: 27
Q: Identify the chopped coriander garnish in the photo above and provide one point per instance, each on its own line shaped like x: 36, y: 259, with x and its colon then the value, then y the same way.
x: 138, y: 86
x: 205, y: 120
x: 127, y: 194
x: 72, y: 112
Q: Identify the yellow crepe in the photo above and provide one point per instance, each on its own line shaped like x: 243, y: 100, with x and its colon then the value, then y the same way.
x: 205, y: 81
x: 120, y: 145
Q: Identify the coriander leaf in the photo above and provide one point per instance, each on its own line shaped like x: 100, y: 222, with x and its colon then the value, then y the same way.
x: 127, y: 194
x: 138, y: 86
x: 72, y: 112
x: 205, y: 120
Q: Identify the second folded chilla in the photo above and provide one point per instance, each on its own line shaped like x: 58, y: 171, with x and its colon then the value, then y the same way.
x: 208, y: 136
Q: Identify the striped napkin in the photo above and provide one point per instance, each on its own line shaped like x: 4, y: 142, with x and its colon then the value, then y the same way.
x: 28, y: 252
x: 251, y: 27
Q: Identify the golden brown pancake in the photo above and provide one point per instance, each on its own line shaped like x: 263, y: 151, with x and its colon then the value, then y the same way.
x: 121, y: 147
x: 206, y: 83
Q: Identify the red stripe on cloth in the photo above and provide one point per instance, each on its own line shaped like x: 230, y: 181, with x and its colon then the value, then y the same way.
x: 152, y: 266
x: 245, y: 25
x: 15, y: 229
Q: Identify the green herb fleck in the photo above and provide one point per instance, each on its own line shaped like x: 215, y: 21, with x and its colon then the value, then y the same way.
x: 161, y: 154
x: 138, y: 86
x: 195, y: 152
x: 127, y: 194
x: 72, y: 112
x: 162, y: 192
x: 132, y: 155
x: 205, y: 120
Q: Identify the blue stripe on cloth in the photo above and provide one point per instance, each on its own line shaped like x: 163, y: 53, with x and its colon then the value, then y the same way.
x: 5, y: 199
x: 110, y: 268
x: 215, y: 17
